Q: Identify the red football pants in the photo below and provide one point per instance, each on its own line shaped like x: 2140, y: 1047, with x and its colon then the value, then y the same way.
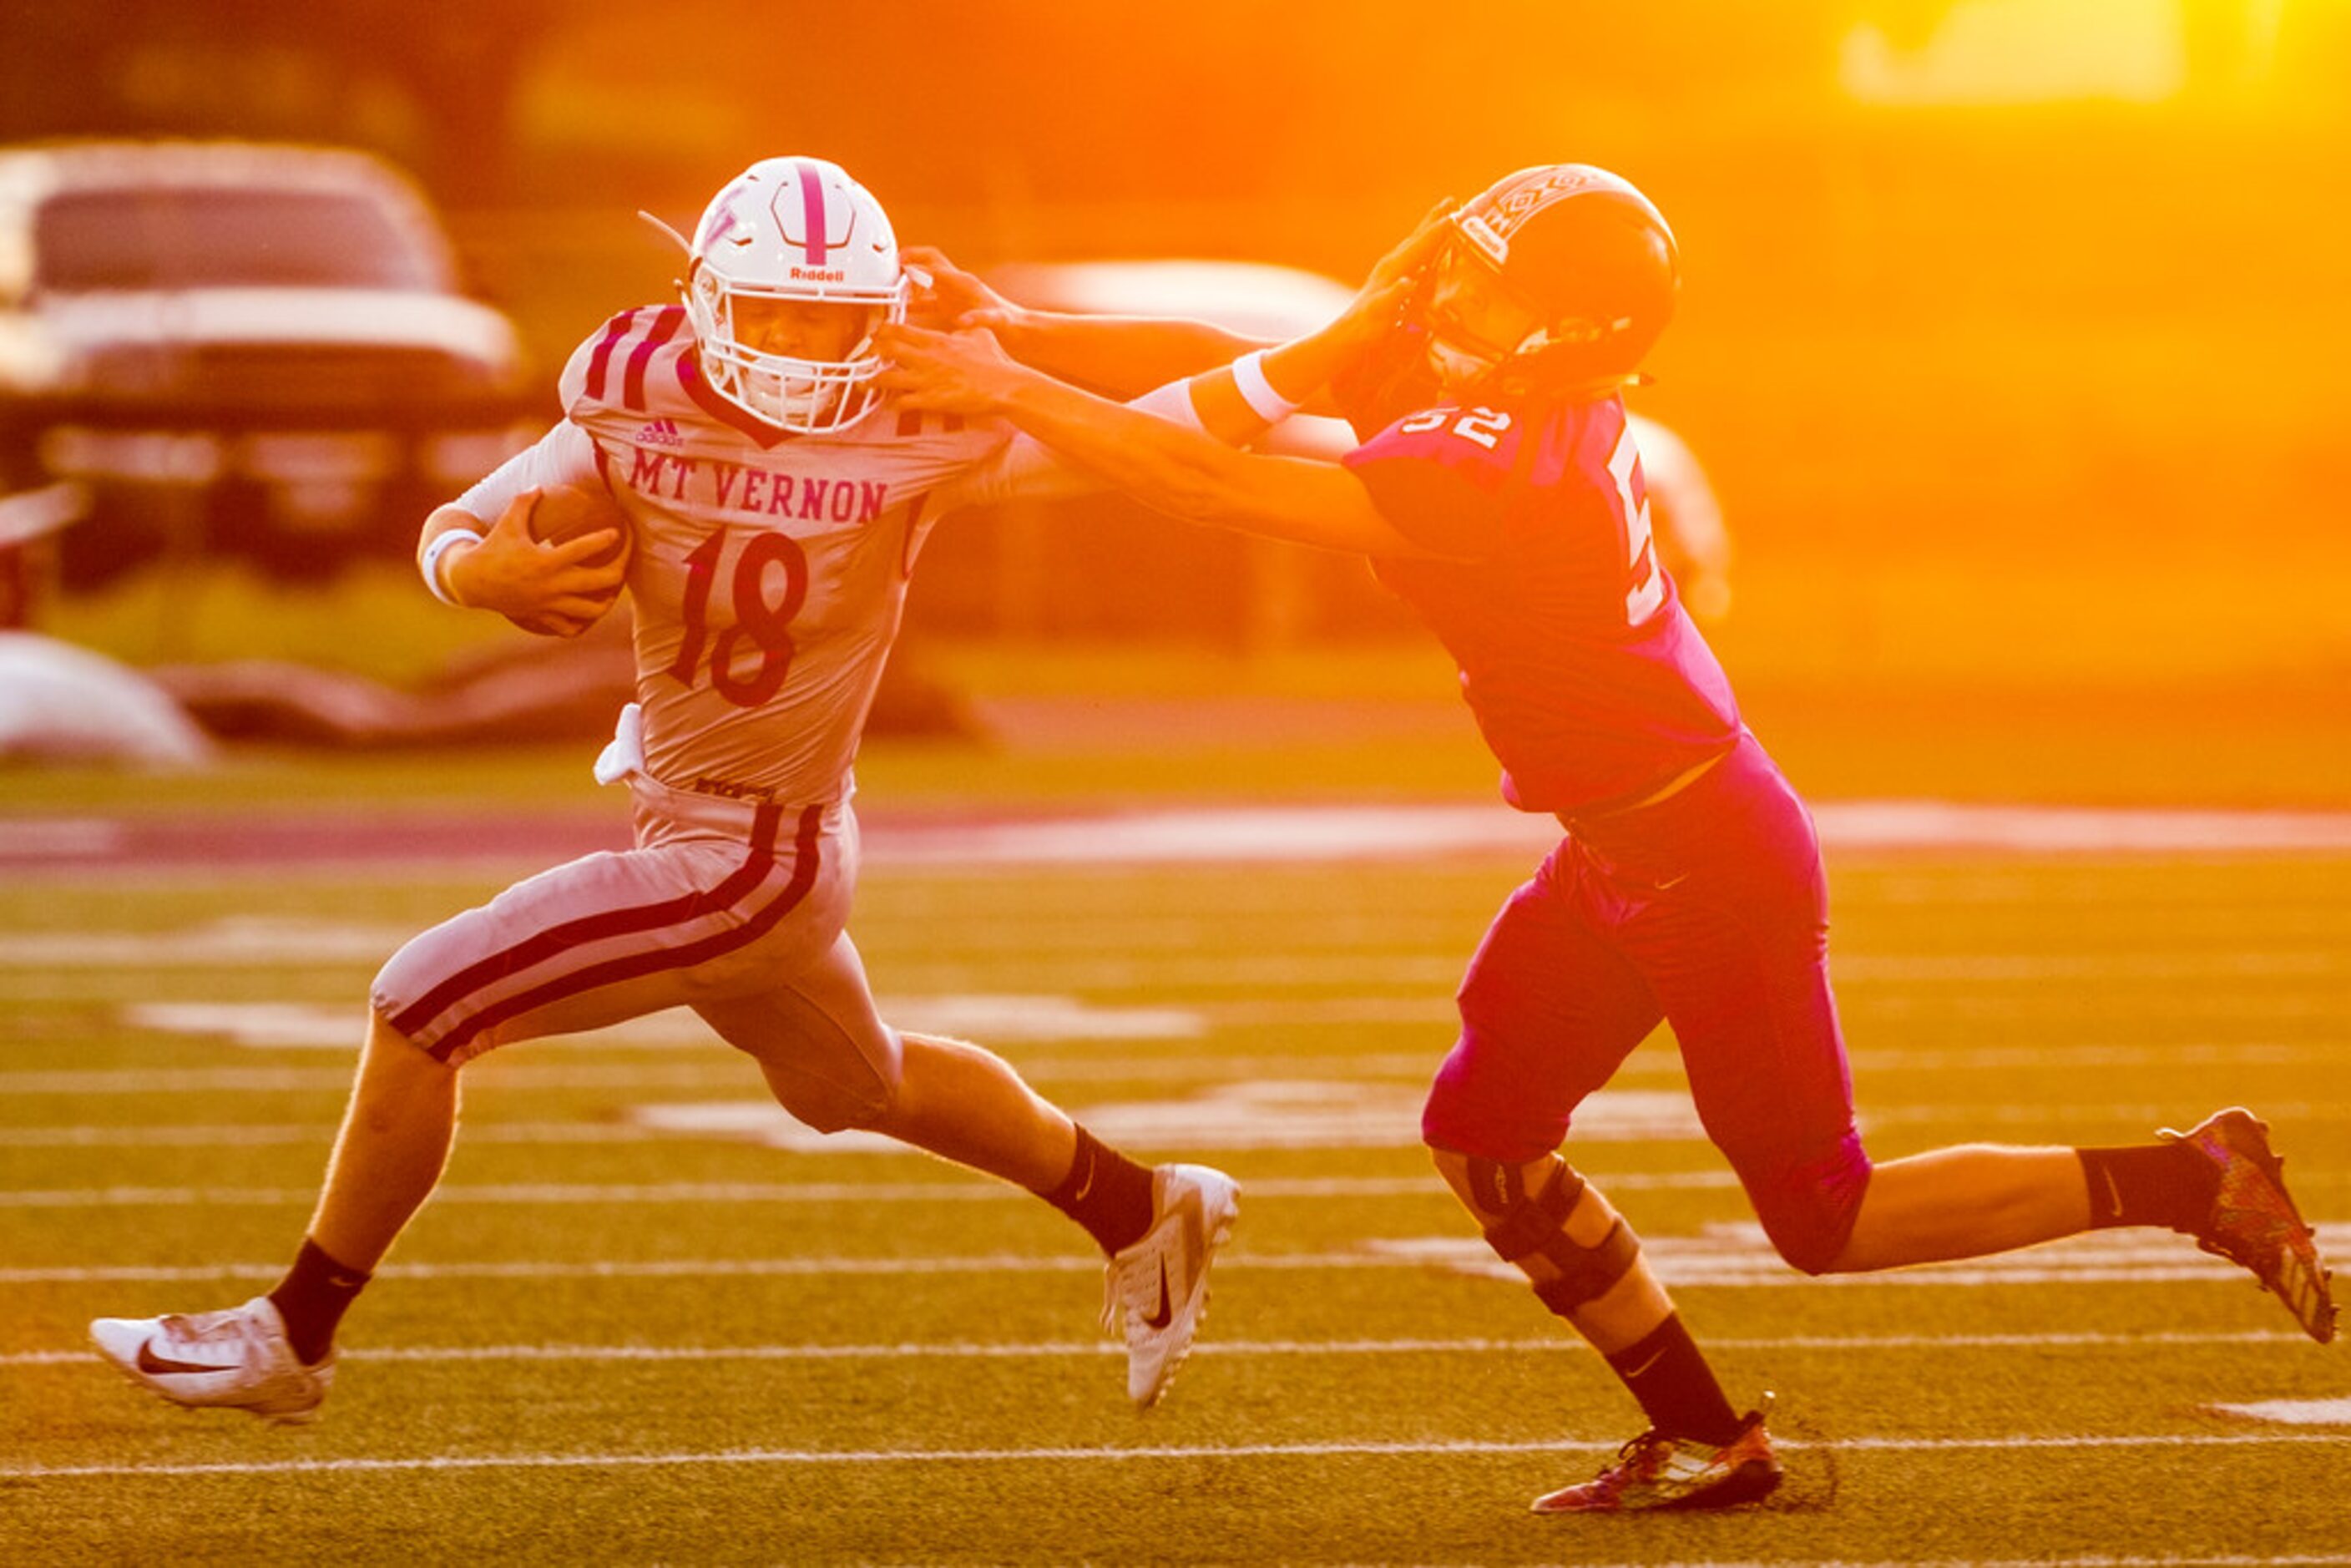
x: 1710, y: 911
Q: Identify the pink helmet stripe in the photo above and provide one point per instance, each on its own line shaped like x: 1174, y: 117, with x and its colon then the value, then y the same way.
x: 812, y: 212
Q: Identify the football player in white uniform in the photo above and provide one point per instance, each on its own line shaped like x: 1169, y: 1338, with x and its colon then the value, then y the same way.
x: 777, y: 502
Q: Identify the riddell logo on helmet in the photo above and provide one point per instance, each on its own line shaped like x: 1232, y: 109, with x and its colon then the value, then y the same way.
x: 817, y: 275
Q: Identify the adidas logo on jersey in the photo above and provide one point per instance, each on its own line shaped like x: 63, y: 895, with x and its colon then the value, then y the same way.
x: 660, y: 433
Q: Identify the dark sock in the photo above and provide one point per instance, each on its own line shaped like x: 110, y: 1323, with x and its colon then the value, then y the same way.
x: 1107, y: 1193
x: 1668, y: 1374
x: 312, y: 1299
x: 2149, y: 1184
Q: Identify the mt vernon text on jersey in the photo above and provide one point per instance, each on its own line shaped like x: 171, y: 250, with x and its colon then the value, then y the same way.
x: 737, y: 488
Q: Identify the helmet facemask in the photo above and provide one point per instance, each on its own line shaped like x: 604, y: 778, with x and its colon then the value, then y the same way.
x: 1475, y: 323
x: 796, y: 231
x: 806, y: 395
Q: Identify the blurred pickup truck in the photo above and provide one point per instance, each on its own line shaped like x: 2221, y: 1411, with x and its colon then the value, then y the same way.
x: 239, y: 350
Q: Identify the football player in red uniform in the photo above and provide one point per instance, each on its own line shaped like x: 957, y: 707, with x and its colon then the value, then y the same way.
x: 777, y: 501
x: 1497, y: 490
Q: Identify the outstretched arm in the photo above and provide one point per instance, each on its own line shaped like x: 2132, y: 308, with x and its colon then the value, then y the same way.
x: 1176, y: 468
x: 1188, y: 470
x: 1122, y: 356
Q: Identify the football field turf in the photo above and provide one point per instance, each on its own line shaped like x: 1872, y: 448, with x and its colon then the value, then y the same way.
x: 645, y: 1320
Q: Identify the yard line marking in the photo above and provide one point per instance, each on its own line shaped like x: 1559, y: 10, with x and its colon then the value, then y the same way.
x: 1248, y: 1114
x: 1737, y: 1254
x: 555, y: 1193
x: 1294, y: 834
x: 2259, y: 963
x: 517, y: 1193
x: 2325, y: 1047
x: 1302, y: 834
x: 246, y: 1135
x: 545, y: 1071
x: 1907, y: 824
x: 1380, y: 967
x: 1171, y: 1451
x: 268, y: 941
x: 1335, y: 1114
x: 1729, y: 1255
x: 307, y: 1026
x: 1057, y: 1349
x: 59, y: 838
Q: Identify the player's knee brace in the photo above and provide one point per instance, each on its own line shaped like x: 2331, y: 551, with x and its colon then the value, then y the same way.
x: 1529, y: 1232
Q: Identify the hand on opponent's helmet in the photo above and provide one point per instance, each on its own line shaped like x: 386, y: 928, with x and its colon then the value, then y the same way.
x: 946, y: 296
x: 1394, y: 279
x: 966, y: 372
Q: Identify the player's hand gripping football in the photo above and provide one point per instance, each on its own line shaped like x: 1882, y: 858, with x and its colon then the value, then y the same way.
x: 946, y: 372
x: 547, y: 585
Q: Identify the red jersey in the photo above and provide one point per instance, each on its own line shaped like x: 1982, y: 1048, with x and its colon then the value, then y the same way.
x: 1588, y: 679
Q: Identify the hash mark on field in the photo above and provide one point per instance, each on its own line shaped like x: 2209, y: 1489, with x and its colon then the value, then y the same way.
x: 1107, y: 1454
x: 2294, y: 1412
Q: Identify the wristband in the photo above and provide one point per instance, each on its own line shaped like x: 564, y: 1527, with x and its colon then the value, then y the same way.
x: 429, y: 565
x: 1248, y: 380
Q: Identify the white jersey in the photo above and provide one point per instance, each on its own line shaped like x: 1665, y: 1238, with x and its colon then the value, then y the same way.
x: 770, y: 569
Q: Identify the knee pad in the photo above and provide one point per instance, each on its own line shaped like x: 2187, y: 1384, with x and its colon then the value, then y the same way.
x: 1529, y: 1230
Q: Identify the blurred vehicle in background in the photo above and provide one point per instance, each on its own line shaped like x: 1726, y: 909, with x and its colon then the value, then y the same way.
x: 1105, y: 565
x: 239, y: 350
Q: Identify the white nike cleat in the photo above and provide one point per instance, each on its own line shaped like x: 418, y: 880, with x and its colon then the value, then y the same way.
x: 237, y: 1359
x: 1160, y: 1284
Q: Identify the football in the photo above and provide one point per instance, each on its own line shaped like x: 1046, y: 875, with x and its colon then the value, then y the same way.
x: 567, y: 512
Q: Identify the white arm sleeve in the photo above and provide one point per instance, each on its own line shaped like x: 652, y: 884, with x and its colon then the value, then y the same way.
x: 564, y: 456
x: 1027, y: 469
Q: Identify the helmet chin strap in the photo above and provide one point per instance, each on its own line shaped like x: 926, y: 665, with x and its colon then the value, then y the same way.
x: 1554, y: 371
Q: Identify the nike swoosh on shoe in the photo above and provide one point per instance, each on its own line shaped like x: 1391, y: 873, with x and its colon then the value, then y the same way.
x: 151, y: 1363
x: 1166, y: 1313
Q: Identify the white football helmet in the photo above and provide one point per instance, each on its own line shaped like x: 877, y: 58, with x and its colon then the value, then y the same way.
x: 798, y: 229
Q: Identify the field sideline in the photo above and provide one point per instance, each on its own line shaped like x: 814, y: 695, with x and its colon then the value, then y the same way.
x: 651, y: 1320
